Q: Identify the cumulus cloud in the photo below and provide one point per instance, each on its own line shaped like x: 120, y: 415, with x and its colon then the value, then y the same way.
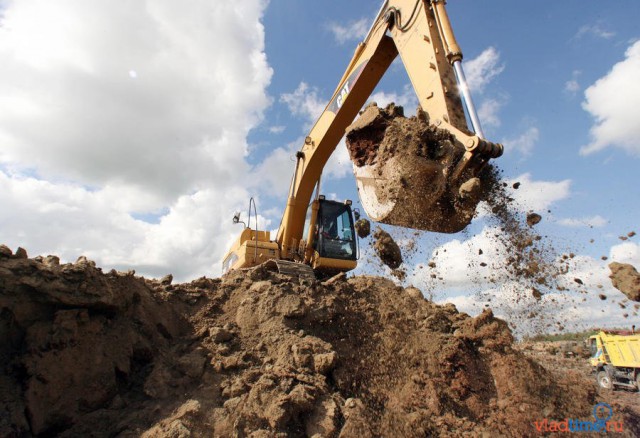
x: 540, y: 195
x: 488, y: 112
x: 481, y: 70
x: 627, y: 252
x: 71, y: 108
x: 352, y: 31
x: 407, y: 99
x: 111, y: 114
x: 613, y: 102
x: 304, y: 102
x: 524, y: 143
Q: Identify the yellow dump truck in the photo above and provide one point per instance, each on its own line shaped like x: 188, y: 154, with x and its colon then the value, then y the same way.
x: 615, y: 358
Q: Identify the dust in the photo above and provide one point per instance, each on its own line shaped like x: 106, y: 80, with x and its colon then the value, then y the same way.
x: 87, y: 353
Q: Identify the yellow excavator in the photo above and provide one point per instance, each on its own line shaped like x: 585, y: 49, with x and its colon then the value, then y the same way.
x: 317, y: 235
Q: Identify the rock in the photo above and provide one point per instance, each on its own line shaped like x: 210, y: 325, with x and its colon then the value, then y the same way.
x: 363, y: 228
x: 324, y: 363
x: 414, y: 292
x: 219, y: 334
x: 339, y: 277
x: 166, y: 280
x: 83, y: 261
x: 387, y: 249
x: 533, y: 219
x: 626, y: 279
x: 51, y: 261
x: 21, y: 253
x: 536, y: 293
x: 471, y: 190
x: 5, y: 251
x: 192, y: 364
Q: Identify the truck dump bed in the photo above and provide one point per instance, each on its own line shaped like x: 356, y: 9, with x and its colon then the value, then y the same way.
x: 620, y: 350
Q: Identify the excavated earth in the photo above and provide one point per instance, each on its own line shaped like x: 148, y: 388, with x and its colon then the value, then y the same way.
x: 626, y: 279
x: 257, y: 354
x: 406, y: 163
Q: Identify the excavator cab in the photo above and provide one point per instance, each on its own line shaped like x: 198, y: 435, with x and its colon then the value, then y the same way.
x: 335, y: 233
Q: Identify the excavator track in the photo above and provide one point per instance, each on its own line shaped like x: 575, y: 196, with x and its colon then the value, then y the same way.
x: 292, y: 269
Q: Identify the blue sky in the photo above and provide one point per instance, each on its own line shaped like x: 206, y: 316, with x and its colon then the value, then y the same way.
x: 131, y: 133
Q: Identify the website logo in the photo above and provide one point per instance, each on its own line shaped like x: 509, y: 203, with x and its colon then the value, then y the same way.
x: 602, y: 422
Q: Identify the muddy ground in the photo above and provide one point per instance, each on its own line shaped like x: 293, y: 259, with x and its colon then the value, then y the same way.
x: 87, y: 353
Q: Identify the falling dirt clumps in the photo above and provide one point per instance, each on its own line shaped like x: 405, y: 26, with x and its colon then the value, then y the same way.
x: 257, y: 354
x: 533, y: 219
x: 403, y: 169
x: 626, y: 279
x: 529, y: 259
x: 363, y: 228
x: 387, y: 249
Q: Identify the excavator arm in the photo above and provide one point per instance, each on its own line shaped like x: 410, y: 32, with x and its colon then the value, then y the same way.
x: 420, y: 32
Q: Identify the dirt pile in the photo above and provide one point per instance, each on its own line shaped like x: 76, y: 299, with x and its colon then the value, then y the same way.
x: 256, y: 354
x: 626, y: 279
x: 403, y: 167
x: 72, y: 339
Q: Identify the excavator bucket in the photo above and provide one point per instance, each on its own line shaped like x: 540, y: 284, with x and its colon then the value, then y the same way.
x: 413, y: 174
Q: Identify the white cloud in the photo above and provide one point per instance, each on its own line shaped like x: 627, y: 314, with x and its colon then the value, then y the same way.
x: 613, y: 102
x: 407, y: 99
x: 523, y: 143
x: 540, y: 195
x: 488, y: 112
x: 304, y: 102
x: 592, y: 221
x: 352, y: 31
x: 626, y: 252
x: 572, y: 87
x: 481, y: 70
x: 124, y: 112
x: 70, y: 109
x: 277, y: 129
x: 594, y: 30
